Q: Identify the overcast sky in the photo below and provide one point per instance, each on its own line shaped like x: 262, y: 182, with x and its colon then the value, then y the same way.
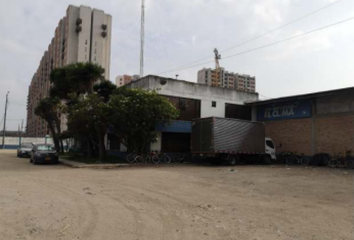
x: 181, y: 32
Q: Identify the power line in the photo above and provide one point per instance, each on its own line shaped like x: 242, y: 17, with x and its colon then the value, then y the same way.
x: 266, y: 33
x: 265, y: 46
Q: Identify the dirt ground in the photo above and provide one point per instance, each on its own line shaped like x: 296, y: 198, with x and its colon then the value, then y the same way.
x: 174, y: 202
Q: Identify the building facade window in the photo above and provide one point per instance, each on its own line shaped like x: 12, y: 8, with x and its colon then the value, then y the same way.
x: 213, y: 104
x: 189, y: 108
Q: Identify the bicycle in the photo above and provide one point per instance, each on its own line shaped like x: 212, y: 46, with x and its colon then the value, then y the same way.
x: 165, y: 158
x: 151, y: 157
x: 131, y: 158
x: 180, y: 158
x: 292, y: 158
x: 339, y: 161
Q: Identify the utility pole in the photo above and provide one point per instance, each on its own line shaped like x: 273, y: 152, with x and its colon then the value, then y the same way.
x: 142, y: 38
x: 3, y: 131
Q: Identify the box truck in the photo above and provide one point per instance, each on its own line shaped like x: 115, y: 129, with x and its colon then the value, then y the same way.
x: 231, y: 140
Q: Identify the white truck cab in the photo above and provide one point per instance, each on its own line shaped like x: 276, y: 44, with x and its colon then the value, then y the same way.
x: 270, y: 148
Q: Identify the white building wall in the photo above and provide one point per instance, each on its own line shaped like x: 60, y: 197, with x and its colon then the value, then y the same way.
x: 207, y: 94
x: 84, y: 36
x: 101, y: 46
x: 71, y: 39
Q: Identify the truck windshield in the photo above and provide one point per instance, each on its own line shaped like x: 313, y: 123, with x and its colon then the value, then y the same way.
x: 270, y: 144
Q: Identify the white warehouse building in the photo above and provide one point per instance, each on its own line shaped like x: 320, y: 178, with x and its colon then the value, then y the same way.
x: 193, y: 100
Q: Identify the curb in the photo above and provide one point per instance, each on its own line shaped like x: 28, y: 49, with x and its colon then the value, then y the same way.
x: 74, y: 164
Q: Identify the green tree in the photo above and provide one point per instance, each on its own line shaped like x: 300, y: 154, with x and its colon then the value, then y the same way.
x: 105, y: 89
x: 48, y: 109
x: 135, y: 113
x: 88, y: 119
x: 77, y: 78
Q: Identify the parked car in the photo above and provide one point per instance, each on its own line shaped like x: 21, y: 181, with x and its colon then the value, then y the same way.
x: 44, y: 153
x: 24, y: 150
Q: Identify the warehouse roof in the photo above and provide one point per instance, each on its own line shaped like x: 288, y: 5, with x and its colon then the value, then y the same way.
x: 303, y: 96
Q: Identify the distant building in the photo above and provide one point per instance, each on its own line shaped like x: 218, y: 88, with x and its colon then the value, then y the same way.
x: 83, y: 35
x: 226, y: 79
x: 125, y: 79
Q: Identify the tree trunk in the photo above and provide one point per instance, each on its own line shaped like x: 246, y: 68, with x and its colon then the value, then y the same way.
x: 55, y: 136
x: 89, y: 150
x: 102, y: 148
x: 61, y: 145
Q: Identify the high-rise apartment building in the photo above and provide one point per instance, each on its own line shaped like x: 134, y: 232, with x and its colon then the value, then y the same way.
x: 125, y: 79
x: 83, y: 35
x: 225, y: 79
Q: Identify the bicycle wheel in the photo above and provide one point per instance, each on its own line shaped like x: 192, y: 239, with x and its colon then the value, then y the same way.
x: 156, y: 159
x: 181, y: 158
x: 139, y: 159
x: 333, y: 163
x: 131, y: 158
x: 166, y: 158
x: 305, y: 161
x: 148, y: 159
x: 290, y: 160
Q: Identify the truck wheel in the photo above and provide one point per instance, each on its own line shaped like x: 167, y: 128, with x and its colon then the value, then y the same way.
x: 267, y: 160
x: 290, y: 160
x: 232, y: 160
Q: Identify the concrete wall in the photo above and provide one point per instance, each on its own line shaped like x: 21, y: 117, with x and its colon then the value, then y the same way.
x: 101, y: 46
x: 206, y: 94
x: 84, y: 37
x: 13, y: 142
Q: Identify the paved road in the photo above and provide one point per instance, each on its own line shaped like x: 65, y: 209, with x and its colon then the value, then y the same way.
x: 183, y: 202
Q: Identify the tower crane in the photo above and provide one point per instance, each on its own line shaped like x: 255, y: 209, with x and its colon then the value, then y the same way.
x: 217, y: 67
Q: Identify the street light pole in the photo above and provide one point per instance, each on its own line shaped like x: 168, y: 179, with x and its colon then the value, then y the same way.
x: 3, y: 131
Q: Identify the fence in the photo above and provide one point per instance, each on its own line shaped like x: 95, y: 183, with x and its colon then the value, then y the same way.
x: 14, y: 142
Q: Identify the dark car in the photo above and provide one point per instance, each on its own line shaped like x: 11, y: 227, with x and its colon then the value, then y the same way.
x: 24, y: 150
x: 44, y: 153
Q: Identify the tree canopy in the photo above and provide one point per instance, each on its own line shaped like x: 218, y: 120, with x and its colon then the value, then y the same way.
x: 91, y: 109
x: 135, y: 113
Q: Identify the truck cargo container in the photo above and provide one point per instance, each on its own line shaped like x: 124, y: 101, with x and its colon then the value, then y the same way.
x: 230, y: 140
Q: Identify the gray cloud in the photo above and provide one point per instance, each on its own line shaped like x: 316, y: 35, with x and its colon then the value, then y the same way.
x: 180, y: 32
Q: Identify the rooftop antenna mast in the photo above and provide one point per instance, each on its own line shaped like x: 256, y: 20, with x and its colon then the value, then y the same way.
x: 142, y: 38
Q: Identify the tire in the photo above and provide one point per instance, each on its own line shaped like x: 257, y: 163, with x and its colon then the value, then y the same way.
x: 166, y: 159
x: 333, y: 163
x: 156, y: 159
x: 267, y: 160
x: 139, y: 159
x: 305, y: 161
x: 34, y: 161
x: 290, y: 160
x: 130, y: 158
x: 231, y: 160
x: 181, y: 158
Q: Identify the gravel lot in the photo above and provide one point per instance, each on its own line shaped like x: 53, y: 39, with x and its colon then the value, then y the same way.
x: 174, y: 202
